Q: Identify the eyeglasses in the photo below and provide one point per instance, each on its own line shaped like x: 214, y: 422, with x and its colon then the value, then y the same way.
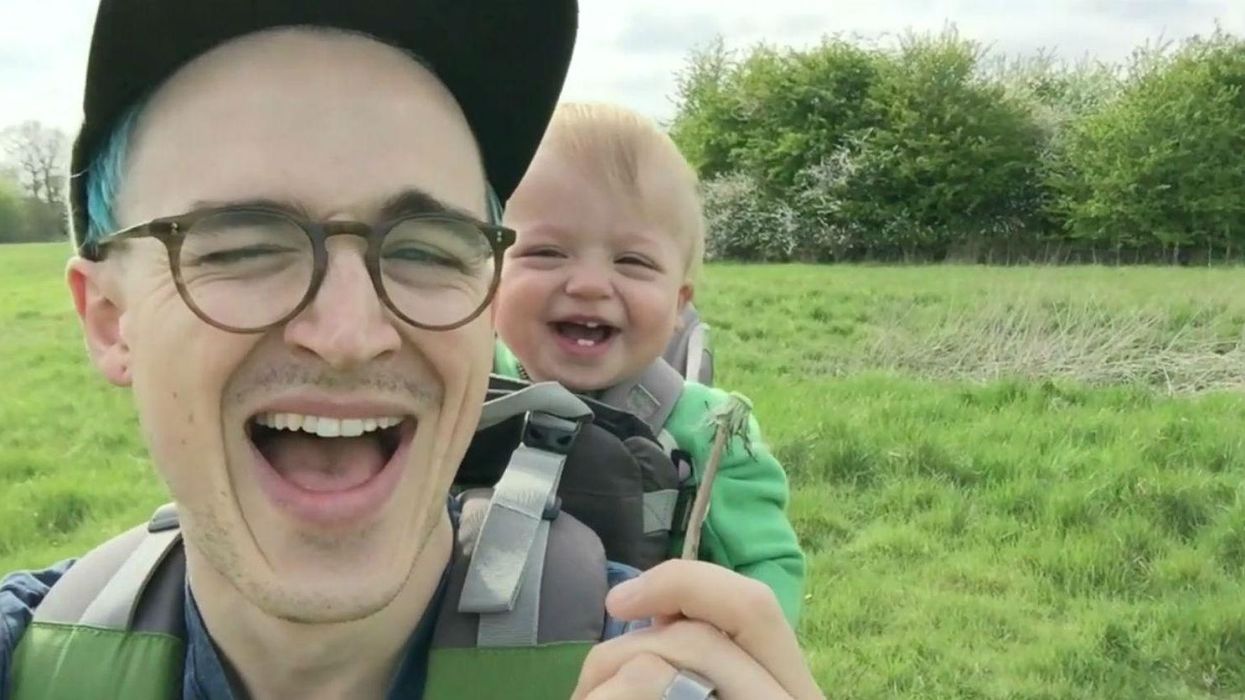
x: 248, y: 269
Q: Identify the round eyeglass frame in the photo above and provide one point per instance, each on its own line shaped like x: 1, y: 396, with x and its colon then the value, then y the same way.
x: 172, y: 232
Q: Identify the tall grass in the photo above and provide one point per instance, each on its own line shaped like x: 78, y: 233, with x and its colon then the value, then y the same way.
x: 1173, y: 330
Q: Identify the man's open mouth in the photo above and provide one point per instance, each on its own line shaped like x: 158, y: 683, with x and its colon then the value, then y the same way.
x: 585, y: 334
x: 326, y: 455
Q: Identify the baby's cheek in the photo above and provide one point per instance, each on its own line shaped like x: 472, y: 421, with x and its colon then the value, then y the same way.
x: 518, y: 311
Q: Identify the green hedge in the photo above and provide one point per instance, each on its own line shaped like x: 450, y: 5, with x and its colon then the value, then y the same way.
x: 933, y: 150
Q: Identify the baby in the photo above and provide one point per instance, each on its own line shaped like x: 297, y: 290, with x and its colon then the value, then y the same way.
x: 610, y: 243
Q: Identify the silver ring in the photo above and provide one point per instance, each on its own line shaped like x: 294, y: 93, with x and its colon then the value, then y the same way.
x: 689, y: 686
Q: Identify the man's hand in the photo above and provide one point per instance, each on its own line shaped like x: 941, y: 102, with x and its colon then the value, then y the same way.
x: 708, y: 620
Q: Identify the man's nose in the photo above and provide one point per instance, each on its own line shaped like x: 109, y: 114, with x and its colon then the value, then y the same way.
x: 346, y: 323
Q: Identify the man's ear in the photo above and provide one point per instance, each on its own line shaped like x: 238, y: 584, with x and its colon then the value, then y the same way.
x: 97, y: 299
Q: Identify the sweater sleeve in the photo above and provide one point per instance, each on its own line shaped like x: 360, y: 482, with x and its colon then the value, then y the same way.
x: 504, y: 361
x: 747, y: 528
x: 20, y: 594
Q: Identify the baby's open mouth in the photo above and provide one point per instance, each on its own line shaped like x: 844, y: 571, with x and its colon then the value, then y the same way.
x: 584, y: 333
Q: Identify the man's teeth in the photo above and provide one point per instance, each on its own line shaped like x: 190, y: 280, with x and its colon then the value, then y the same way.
x: 326, y: 427
x: 592, y: 324
x: 585, y: 343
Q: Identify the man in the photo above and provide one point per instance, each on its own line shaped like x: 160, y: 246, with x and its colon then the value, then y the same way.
x: 308, y: 384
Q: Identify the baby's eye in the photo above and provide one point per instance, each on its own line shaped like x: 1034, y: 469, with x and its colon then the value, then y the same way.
x: 637, y: 260
x: 542, y: 253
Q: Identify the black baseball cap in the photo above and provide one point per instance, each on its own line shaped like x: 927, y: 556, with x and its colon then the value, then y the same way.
x: 504, y: 61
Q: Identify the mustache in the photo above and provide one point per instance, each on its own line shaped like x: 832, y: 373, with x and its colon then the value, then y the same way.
x: 275, y: 377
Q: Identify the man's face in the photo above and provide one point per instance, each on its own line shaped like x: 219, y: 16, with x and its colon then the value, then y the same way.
x: 333, y: 126
x: 592, y: 288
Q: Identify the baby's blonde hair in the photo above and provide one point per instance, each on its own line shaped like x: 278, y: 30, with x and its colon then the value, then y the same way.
x: 629, y: 154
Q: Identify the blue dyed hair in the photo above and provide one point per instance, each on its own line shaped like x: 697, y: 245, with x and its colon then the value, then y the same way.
x: 103, y: 176
x: 103, y: 180
x: 495, y: 208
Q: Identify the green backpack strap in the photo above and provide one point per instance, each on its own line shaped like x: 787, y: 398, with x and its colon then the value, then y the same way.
x: 112, y: 626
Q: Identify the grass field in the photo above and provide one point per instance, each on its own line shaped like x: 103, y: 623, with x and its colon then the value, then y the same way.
x: 1024, y: 483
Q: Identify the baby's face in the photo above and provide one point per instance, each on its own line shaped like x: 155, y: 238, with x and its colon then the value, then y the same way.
x: 591, y: 291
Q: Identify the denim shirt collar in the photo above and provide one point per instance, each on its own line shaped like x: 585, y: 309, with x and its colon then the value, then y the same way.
x: 207, y: 678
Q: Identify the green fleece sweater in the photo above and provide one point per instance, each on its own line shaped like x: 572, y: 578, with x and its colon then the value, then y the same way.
x: 747, y: 529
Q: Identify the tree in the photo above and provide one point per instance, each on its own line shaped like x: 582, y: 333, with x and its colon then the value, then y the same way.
x: 706, y: 127
x: 771, y: 113
x: 38, y: 154
x: 1158, y: 170
x: 12, y: 211
x: 955, y: 159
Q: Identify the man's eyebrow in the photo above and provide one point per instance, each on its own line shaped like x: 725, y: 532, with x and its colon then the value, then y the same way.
x: 414, y: 201
x: 287, y: 206
x: 408, y: 202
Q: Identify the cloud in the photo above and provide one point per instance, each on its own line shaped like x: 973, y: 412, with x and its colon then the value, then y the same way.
x: 1154, y: 9
x: 44, y: 59
x: 647, y: 32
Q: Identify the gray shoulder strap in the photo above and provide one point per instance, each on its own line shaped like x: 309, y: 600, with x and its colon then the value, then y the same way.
x: 513, y: 533
x: 562, y: 601
x: 503, y: 579
x: 546, y: 397
x: 105, y: 587
x: 650, y: 397
x: 699, y: 357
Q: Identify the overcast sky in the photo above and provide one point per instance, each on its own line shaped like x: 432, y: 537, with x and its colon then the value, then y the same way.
x: 629, y: 50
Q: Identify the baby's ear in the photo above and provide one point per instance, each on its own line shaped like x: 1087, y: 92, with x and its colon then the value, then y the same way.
x: 686, y: 292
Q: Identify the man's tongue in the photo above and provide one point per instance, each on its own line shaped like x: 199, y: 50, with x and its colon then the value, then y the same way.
x: 324, y: 464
